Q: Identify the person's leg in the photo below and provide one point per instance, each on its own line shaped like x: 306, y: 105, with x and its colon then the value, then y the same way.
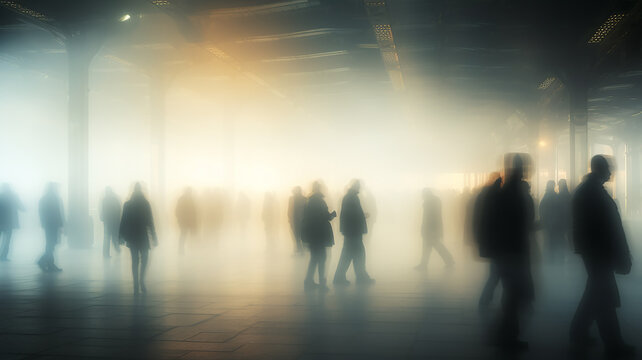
x: 359, y: 262
x: 321, y: 266
x: 444, y: 253
x: 6, y: 243
x: 106, y: 240
x: 489, y: 288
x: 52, y: 242
x: 144, y: 256
x: 312, y: 265
x: 344, y: 262
x: 508, y: 330
x: 135, y: 262
x: 113, y: 234
x: 181, y: 241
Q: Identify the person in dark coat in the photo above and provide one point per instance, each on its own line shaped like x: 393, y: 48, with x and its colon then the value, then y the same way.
x: 564, y: 204
x: 10, y: 205
x: 136, y: 226
x: 484, y: 229
x: 550, y: 221
x: 52, y: 220
x: 352, y: 224
x: 296, y: 208
x: 432, y: 231
x: 187, y: 217
x: 110, y: 210
x: 317, y: 234
x: 600, y: 240
x: 512, y: 254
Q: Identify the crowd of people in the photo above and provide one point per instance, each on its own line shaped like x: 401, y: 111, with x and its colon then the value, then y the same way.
x: 502, y: 222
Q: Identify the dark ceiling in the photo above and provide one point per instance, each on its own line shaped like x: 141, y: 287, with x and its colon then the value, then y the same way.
x: 479, y: 50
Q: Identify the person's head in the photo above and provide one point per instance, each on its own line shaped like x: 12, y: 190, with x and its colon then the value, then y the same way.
x: 109, y: 191
x: 550, y: 186
x: 517, y: 172
x: 562, y: 185
x: 188, y: 191
x: 52, y: 188
x: 316, y: 187
x: 600, y: 168
x: 355, y: 186
x: 138, y: 190
x: 427, y: 193
x: 296, y: 190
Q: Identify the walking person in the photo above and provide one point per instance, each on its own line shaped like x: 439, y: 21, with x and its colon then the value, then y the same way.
x: 136, y: 226
x: 353, y: 226
x: 52, y: 221
x: 317, y: 234
x: 432, y: 231
x: 110, y: 210
x: 10, y: 205
x: 601, y: 242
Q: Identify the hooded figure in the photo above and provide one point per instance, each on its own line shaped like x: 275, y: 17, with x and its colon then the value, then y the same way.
x: 136, y: 225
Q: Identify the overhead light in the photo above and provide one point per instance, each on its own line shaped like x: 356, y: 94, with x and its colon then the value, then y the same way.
x: 125, y: 17
x: 161, y: 2
x: 546, y: 83
x: 542, y: 143
x: 606, y: 28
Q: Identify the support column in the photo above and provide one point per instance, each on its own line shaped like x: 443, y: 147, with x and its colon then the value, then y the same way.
x: 578, y: 134
x: 158, y: 92
x: 79, y: 225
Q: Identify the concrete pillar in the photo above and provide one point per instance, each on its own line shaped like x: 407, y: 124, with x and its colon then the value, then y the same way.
x: 79, y: 225
x: 158, y: 92
x: 578, y: 134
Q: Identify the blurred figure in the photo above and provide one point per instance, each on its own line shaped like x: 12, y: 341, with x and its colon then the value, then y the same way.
x: 484, y: 229
x: 243, y: 213
x: 369, y: 203
x: 214, y: 214
x: 512, y: 254
x: 10, y: 205
x: 135, y: 227
x: 110, y: 210
x: 564, y: 204
x: 296, y: 208
x: 550, y: 220
x: 52, y: 220
x: 187, y: 217
x: 270, y: 219
x: 317, y: 234
x: 352, y: 226
x: 432, y: 231
x: 600, y: 240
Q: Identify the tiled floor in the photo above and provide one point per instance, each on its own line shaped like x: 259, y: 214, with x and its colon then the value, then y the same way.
x: 222, y: 306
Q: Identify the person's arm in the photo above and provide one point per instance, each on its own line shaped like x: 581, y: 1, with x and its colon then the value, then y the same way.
x: 150, y: 225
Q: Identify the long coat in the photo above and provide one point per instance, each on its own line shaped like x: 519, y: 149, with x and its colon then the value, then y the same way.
x: 352, y: 220
x: 110, y: 211
x: 137, y: 222
x: 317, y: 230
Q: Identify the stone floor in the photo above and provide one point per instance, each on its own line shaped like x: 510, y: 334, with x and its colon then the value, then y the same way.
x: 216, y: 305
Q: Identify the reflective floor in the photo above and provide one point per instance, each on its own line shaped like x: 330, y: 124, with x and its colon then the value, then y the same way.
x: 227, y: 304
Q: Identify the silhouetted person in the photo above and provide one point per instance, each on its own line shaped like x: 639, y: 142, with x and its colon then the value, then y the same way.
x: 564, y: 204
x: 52, y: 220
x: 432, y: 231
x: 352, y: 224
x: 512, y: 254
x: 270, y: 218
x: 296, y: 208
x: 317, y: 234
x: 600, y: 240
x: 549, y: 217
x: 136, y: 226
x: 10, y: 204
x: 187, y: 217
x: 110, y: 210
x: 243, y: 206
x: 484, y: 229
